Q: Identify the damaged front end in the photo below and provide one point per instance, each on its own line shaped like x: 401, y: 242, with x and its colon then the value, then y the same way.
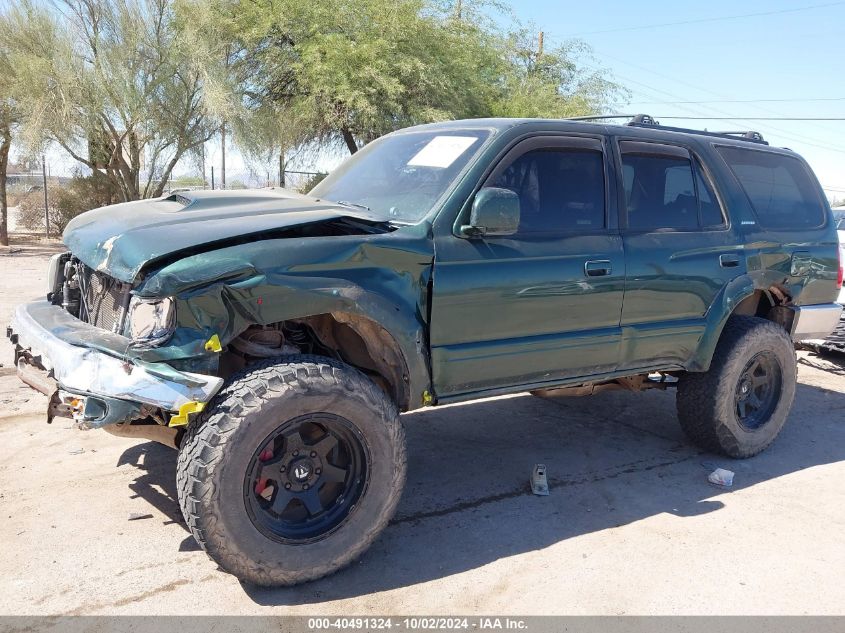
x: 160, y: 301
x: 73, y: 348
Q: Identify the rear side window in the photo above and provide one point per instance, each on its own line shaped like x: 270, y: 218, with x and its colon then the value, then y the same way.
x: 665, y: 188
x: 779, y: 188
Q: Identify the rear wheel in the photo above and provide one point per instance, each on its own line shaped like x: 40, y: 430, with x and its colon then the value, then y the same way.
x: 292, y: 471
x: 739, y: 406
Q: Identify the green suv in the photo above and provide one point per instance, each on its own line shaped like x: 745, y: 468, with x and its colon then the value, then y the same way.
x: 274, y: 338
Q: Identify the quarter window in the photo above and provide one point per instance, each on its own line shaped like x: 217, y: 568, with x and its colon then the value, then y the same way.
x: 779, y: 188
x: 559, y: 189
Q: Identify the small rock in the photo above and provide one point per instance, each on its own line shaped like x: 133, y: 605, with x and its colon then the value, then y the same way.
x: 76, y: 451
x: 135, y: 516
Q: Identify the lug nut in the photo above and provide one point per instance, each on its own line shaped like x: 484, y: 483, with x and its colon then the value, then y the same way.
x: 305, y: 486
x: 283, y: 468
x: 295, y: 453
x: 313, y: 454
x: 318, y: 470
x: 287, y: 486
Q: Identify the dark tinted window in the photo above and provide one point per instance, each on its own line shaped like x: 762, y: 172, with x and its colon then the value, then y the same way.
x: 559, y: 189
x: 779, y: 187
x: 711, y: 211
x: 839, y: 218
x: 659, y: 192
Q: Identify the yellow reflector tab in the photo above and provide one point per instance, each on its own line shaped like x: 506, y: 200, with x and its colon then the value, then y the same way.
x: 213, y: 344
x: 427, y: 398
x: 181, y: 419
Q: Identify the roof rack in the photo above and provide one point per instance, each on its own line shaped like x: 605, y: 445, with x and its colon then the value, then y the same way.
x: 648, y: 121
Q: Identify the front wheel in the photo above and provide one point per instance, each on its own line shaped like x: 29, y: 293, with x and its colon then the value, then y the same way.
x: 738, y: 407
x: 292, y: 471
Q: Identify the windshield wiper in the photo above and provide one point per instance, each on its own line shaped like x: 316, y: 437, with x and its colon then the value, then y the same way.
x: 346, y: 203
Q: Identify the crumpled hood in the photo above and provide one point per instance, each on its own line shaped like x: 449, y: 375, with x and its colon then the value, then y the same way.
x: 123, y: 238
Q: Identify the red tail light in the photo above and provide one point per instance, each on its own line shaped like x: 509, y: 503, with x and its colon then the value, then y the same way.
x: 841, y: 265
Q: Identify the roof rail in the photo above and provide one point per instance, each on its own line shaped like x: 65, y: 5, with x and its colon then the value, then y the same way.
x: 644, y: 120
x: 648, y: 121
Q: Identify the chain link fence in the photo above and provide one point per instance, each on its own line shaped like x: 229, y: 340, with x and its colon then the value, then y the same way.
x: 28, y: 191
x: 295, y: 180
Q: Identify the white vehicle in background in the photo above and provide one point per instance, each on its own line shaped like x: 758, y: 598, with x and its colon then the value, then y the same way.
x: 836, y: 341
x: 839, y: 218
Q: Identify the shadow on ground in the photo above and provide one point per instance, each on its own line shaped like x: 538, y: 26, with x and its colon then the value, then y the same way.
x: 612, y: 459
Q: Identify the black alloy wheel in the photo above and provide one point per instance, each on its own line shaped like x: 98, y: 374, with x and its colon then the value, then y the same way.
x: 758, y: 390
x: 306, y: 478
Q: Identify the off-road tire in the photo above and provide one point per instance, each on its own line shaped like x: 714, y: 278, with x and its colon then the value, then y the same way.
x: 220, y: 442
x: 706, y: 401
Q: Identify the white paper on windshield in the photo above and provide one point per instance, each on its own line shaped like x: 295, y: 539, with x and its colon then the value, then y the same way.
x: 441, y: 151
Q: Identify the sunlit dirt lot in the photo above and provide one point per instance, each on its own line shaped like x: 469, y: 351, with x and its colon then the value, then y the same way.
x: 631, y: 525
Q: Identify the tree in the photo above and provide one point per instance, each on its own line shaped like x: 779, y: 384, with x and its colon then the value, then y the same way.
x: 9, y: 117
x: 118, y: 85
x: 550, y: 83
x: 7, y: 121
x: 354, y: 70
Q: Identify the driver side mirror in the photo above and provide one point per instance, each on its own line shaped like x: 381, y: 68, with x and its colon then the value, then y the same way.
x: 495, y: 211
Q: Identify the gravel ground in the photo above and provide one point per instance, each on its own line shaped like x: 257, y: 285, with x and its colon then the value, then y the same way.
x: 631, y: 525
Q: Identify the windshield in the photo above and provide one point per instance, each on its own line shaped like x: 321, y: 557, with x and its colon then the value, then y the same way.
x: 402, y: 176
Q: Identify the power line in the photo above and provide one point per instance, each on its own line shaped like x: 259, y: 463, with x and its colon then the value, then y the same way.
x: 708, y: 20
x: 755, y: 118
x: 740, y: 101
x: 811, y: 141
x: 655, y: 91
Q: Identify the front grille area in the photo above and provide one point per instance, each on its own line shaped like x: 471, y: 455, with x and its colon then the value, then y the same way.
x: 105, y: 300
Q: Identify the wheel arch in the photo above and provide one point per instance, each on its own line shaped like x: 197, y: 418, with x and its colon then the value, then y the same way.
x: 747, y: 295
x: 384, y: 336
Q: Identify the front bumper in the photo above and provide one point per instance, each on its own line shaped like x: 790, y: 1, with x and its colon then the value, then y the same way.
x: 815, y: 321
x: 39, y: 331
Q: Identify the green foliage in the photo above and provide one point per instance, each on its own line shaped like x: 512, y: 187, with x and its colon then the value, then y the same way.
x: 129, y: 88
x: 10, y: 114
x: 186, y: 181
x: 312, y: 182
x: 353, y: 70
x: 551, y: 84
x: 118, y: 85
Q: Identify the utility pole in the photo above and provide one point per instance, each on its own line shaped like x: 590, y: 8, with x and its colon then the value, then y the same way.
x: 46, y: 209
x: 540, y: 47
x: 282, y: 169
x: 223, y: 146
x: 212, y: 176
x: 202, y: 164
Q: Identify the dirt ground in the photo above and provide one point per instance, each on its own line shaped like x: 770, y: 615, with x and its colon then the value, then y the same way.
x: 631, y: 525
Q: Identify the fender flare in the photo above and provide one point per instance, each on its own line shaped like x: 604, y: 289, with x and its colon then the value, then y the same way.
x: 228, y: 309
x: 723, y: 306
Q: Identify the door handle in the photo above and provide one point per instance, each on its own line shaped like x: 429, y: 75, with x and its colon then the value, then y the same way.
x: 728, y: 261
x: 597, y: 268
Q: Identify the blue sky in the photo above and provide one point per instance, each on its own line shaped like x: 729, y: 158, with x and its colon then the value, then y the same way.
x: 798, y: 53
